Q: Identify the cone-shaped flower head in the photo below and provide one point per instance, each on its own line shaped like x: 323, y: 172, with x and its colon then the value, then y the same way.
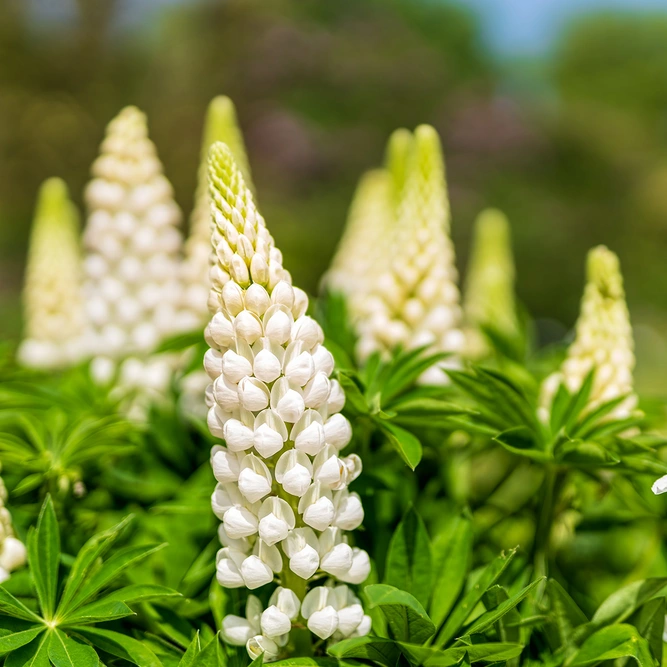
x: 364, y: 249
x: 12, y: 550
x: 52, y: 299
x: 282, y: 491
x: 489, y: 295
x: 133, y: 243
x: 603, y: 340
x: 416, y: 301
x: 220, y: 125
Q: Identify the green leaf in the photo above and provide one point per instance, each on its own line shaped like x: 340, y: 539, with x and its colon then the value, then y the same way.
x: 488, y: 578
x: 405, y: 615
x: 96, y: 547
x: 409, y: 566
x: 44, y: 557
x: 430, y: 657
x: 67, y: 652
x: 142, y: 593
x: 211, y: 655
x: 404, y: 442
x: 578, y: 402
x: 10, y: 606
x: 353, y: 397
x: 192, y: 652
x: 622, y: 603
x: 34, y: 654
x: 520, y: 440
x: 650, y: 622
x: 576, y: 452
x: 13, y: 640
x: 112, y: 569
x: 614, y: 641
x: 564, y: 610
x: 487, y: 619
x: 120, y: 645
x: 98, y: 612
x: 453, y: 554
x: 384, y: 651
x: 180, y: 342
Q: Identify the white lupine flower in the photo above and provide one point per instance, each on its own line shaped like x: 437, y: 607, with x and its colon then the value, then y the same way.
x: 318, y: 610
x: 352, y: 622
x: 52, y: 295
x: 237, y: 630
x: 489, y: 300
x: 660, y: 485
x: 133, y: 246
x: 12, y: 550
x: 281, y: 474
x: 603, y: 341
x: 415, y: 301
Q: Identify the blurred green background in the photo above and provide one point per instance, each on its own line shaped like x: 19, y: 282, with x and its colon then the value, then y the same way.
x: 554, y: 112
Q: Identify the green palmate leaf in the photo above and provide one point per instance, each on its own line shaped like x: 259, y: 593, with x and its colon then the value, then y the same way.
x: 590, y: 420
x: 98, y: 612
x: 122, y: 646
x: 406, y: 617
x: 44, y: 557
x: 565, y: 613
x: 624, y: 602
x: 409, y: 566
x: 612, y: 642
x: 487, y: 619
x: 211, y: 655
x: 431, y: 657
x: 488, y: 578
x: 10, y: 606
x: 578, y: 402
x: 404, y: 442
x: 506, y: 628
x: 559, y: 406
x: 34, y: 654
x: 111, y: 570
x: 67, y: 652
x: 384, y: 651
x: 650, y: 622
x: 310, y: 662
x: 452, y: 549
x: 406, y: 369
x: 142, y: 593
x: 579, y: 453
x: 520, y: 440
x: 354, y: 399
x: 11, y: 640
x: 191, y: 653
x: 510, y: 399
x: 87, y: 558
x: 643, y: 463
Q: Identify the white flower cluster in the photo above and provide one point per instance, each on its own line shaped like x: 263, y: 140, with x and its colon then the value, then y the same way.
x: 334, y: 611
x: 52, y: 299
x: 132, y: 287
x: 282, y: 491
x: 416, y: 301
x: 12, y: 550
x: 603, y: 341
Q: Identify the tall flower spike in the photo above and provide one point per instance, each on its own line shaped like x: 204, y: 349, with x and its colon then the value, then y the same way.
x: 364, y: 249
x: 416, y: 301
x: 133, y: 244
x: 12, y: 550
x: 603, y: 341
x: 220, y: 125
x: 489, y: 295
x: 282, y: 491
x: 52, y: 300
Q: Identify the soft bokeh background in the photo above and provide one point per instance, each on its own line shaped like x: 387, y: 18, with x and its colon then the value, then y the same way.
x: 554, y: 111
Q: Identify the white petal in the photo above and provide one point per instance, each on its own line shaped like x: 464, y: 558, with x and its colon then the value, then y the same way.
x: 338, y: 561
x: 307, y: 330
x: 273, y: 529
x: 361, y: 568
x: 300, y: 303
x: 300, y: 369
x: 216, y: 418
x: 13, y: 554
x: 336, y: 400
x: 267, y: 366
x: 247, y: 326
x: 236, y: 630
x: 349, y: 510
x: 337, y: 431
x: 257, y: 299
x: 287, y: 601
x: 226, y: 394
x: 240, y: 522
x: 232, y: 297
x: 228, y: 574
x: 320, y: 514
x: 660, y: 485
x: 364, y: 627
x: 349, y: 619
x: 260, y: 644
x: 255, y: 572
x: 235, y: 366
x: 253, y: 394
x: 238, y: 436
x: 225, y: 465
x: 304, y: 563
x: 274, y: 622
x: 221, y: 330
x: 323, y: 360
x: 323, y: 623
x: 278, y: 322
x: 316, y: 392
x: 267, y: 441
x: 253, y: 485
x: 213, y: 363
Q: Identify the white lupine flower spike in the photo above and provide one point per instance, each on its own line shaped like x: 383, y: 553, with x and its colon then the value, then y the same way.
x: 12, y: 550
x: 603, y: 341
x: 489, y: 299
x: 416, y: 300
x: 52, y: 296
x: 133, y: 248
x: 282, y: 491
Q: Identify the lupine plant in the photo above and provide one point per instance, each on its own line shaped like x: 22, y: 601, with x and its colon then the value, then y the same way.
x: 503, y: 514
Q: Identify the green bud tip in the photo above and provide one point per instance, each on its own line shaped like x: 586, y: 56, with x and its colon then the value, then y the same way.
x: 604, y: 271
x: 53, y: 203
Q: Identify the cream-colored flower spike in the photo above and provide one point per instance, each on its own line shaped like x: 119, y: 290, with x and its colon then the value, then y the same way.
x: 282, y: 492
x: 603, y: 341
x: 416, y: 301
x: 52, y: 300
x: 220, y: 125
x: 132, y: 289
x: 12, y: 550
x: 489, y: 295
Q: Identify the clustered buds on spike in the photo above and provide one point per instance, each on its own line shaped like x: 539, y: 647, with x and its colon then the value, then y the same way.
x: 12, y: 550
x: 489, y: 296
x: 132, y: 288
x: 282, y: 491
x: 416, y: 301
x: 52, y: 294
x: 603, y: 341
